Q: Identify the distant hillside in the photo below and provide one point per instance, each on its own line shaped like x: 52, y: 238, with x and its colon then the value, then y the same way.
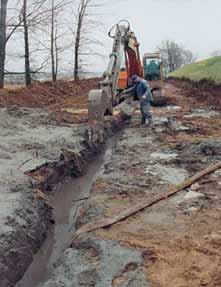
x: 208, y: 69
x: 20, y: 78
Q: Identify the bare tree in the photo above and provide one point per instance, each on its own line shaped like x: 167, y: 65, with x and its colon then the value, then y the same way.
x: 3, y: 15
x: 188, y: 56
x: 80, y: 18
x: 85, y: 25
x: 54, y: 54
x: 46, y: 41
x: 26, y: 43
x: 216, y: 53
x: 33, y: 18
x: 11, y: 24
x: 175, y: 55
x: 56, y: 39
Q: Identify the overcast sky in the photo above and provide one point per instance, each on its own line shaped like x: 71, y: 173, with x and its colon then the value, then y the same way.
x: 194, y: 23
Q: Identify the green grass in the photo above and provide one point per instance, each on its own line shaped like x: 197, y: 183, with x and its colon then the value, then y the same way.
x: 208, y: 69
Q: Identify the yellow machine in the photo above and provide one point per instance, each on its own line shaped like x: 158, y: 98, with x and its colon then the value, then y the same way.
x: 116, y: 79
x: 153, y: 73
x: 151, y: 70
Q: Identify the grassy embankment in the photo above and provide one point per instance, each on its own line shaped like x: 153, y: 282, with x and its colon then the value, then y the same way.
x: 209, y: 69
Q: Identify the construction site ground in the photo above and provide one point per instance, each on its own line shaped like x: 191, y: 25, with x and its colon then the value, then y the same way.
x: 176, y: 242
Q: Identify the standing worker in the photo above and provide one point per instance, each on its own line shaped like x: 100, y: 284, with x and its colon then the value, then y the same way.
x: 143, y: 92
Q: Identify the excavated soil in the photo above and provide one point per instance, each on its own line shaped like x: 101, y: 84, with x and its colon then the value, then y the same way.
x: 46, y: 94
x: 65, y: 102
x: 206, y: 92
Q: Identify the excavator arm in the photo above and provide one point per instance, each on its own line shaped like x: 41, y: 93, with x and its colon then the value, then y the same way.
x: 125, y: 44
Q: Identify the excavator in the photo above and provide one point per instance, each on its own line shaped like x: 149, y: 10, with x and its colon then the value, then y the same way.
x: 117, y: 78
x: 154, y: 74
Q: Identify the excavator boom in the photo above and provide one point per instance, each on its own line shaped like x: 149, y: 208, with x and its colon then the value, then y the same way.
x: 125, y: 44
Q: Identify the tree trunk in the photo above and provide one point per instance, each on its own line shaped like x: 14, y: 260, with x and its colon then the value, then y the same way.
x: 53, y: 68
x: 56, y: 56
x: 3, y: 14
x: 81, y: 14
x: 26, y: 40
x: 76, y: 51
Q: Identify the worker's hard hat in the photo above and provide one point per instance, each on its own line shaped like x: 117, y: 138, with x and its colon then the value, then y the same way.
x: 134, y: 78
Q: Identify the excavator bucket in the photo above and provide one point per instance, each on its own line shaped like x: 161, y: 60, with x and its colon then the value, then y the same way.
x: 99, y: 105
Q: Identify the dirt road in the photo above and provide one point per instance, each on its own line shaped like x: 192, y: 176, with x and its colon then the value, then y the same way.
x: 174, y: 243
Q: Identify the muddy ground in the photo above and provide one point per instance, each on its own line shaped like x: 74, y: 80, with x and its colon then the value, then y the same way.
x: 39, y: 148
x: 174, y: 243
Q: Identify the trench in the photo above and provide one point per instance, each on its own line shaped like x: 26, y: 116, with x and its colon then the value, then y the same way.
x: 67, y: 198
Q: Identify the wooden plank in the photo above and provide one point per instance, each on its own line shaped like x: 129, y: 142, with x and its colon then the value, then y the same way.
x: 106, y: 222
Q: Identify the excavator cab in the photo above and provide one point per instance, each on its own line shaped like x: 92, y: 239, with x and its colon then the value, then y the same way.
x: 153, y: 68
x: 153, y: 73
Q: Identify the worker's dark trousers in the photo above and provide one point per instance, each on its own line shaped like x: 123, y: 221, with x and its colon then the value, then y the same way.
x: 145, y: 112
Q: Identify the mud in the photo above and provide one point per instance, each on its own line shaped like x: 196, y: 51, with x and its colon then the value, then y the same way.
x: 36, y: 153
x: 66, y: 199
x: 95, y: 262
x: 178, y: 239
x: 205, y: 92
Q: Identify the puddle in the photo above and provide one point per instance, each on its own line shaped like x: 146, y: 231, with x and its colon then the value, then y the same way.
x: 171, y: 175
x: 163, y: 156
x: 179, y: 127
x: 66, y: 201
x: 192, y: 194
x: 202, y: 113
x: 160, y: 120
x: 173, y: 108
x: 76, y: 111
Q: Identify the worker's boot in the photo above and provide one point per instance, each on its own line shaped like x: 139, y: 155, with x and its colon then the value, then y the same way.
x: 143, y: 120
x: 150, y: 122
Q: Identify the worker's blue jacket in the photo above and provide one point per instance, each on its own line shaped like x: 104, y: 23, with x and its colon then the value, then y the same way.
x: 143, y: 92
